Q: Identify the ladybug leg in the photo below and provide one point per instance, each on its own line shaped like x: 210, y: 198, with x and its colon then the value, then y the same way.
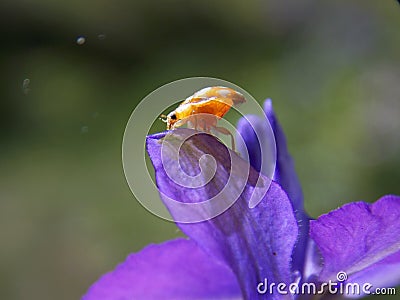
x: 201, y: 124
x: 225, y: 131
x: 209, y: 122
x: 196, y: 126
x: 192, y: 122
x: 205, y: 127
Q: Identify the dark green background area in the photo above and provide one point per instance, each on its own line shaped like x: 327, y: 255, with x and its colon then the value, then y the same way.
x: 67, y: 215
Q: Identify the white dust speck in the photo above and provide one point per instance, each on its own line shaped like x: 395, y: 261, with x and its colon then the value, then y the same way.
x: 80, y: 40
x: 84, y: 129
x: 26, y: 86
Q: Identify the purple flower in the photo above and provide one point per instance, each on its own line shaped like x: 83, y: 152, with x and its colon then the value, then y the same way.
x: 241, y: 251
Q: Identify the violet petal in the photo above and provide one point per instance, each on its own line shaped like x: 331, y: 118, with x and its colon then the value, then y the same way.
x: 257, y: 242
x: 250, y: 127
x: 360, y: 238
x: 383, y: 274
x: 285, y: 173
x: 177, y: 269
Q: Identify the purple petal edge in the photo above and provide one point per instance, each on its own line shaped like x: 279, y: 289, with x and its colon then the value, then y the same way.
x: 249, y: 128
x: 176, y: 269
x: 360, y: 238
x: 285, y: 173
x: 255, y: 242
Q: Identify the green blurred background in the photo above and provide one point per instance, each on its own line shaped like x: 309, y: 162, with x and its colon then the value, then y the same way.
x: 66, y: 212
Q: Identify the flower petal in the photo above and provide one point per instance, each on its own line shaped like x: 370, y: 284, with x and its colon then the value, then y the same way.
x: 383, y: 274
x: 257, y: 242
x: 177, y: 269
x: 360, y: 238
x: 251, y: 129
x: 285, y: 173
x: 254, y: 133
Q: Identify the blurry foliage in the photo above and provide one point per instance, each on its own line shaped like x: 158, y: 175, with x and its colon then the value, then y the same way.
x: 66, y: 213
